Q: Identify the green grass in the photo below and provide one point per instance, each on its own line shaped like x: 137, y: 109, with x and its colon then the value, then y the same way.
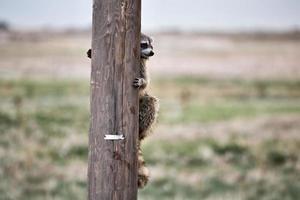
x: 220, y: 110
x: 213, y: 182
x: 212, y: 178
x: 44, y: 126
x: 260, y: 85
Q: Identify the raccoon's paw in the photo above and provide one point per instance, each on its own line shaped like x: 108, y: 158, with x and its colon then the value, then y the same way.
x: 139, y: 82
x: 89, y: 53
x: 143, y: 177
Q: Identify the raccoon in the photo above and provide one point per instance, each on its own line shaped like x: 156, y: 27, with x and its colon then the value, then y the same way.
x: 148, y: 105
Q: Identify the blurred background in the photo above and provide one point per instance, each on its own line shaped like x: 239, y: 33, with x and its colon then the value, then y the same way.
x: 227, y: 74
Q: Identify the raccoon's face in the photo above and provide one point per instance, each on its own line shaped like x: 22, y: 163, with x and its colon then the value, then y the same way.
x: 146, y: 47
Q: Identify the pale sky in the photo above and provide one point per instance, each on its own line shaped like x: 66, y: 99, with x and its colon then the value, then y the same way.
x: 161, y: 14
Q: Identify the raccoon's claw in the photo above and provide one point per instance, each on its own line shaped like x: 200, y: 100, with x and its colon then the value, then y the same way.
x: 138, y: 82
x: 89, y: 53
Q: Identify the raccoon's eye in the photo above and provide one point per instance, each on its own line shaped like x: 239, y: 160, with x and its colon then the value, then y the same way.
x: 144, y: 45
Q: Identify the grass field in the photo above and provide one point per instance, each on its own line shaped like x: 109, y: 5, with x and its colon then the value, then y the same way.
x: 231, y: 139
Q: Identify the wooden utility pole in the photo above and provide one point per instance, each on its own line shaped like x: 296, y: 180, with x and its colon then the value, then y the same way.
x: 112, y: 168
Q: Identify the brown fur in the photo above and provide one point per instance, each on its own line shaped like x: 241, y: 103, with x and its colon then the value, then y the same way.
x: 148, y: 109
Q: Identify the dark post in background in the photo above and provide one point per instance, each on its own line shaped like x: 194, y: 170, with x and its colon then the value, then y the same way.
x: 112, y: 167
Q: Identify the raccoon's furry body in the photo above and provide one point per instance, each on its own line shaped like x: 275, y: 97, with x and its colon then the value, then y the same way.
x: 148, y: 107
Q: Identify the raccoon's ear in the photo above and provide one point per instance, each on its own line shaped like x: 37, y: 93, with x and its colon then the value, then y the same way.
x: 151, y: 39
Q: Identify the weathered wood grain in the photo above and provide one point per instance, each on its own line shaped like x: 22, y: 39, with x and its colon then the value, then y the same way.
x: 112, y: 168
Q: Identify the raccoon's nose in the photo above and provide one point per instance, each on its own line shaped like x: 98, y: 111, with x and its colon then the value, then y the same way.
x: 151, y: 53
